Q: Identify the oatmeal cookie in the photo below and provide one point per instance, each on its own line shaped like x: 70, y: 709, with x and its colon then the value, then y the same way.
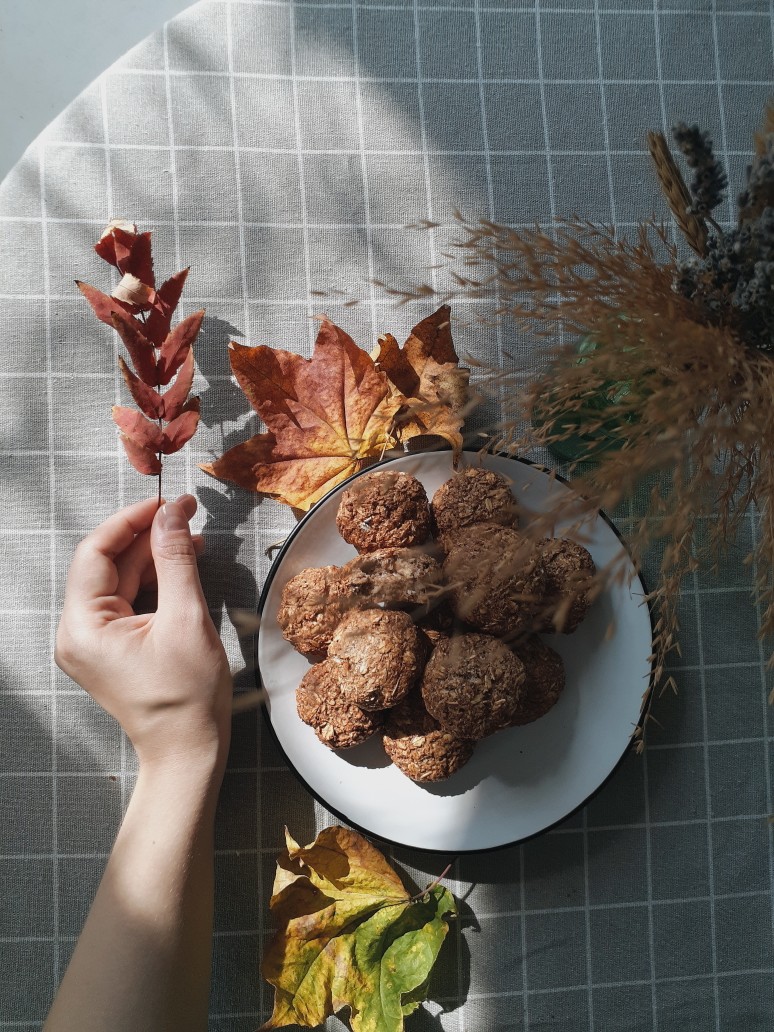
x: 393, y: 577
x: 336, y: 721
x: 418, y: 745
x: 472, y: 684
x: 378, y: 656
x: 496, y: 580
x: 470, y: 497
x: 384, y: 510
x: 569, y: 570
x: 311, y: 607
x: 544, y: 680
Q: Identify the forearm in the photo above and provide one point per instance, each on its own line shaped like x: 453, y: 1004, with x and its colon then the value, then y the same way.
x: 143, y: 958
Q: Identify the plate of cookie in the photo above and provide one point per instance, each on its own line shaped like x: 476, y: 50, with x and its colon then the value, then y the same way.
x: 438, y: 676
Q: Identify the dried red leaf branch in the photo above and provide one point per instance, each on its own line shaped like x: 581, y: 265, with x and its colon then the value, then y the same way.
x: 141, y: 314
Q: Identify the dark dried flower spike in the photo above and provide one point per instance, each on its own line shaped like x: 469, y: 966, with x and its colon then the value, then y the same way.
x: 709, y: 180
x: 758, y: 195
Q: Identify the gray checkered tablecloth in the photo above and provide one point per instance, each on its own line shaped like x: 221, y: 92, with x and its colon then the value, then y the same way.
x: 280, y: 148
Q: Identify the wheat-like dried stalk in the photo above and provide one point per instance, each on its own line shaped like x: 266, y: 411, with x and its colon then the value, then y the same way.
x: 693, y: 228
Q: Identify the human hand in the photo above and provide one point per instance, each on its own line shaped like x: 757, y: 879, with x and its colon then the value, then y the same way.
x: 164, y: 675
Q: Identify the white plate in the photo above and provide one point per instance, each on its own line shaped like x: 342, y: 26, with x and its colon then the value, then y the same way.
x: 519, y: 782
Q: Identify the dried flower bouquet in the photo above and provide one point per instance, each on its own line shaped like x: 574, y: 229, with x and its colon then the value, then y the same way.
x: 681, y: 352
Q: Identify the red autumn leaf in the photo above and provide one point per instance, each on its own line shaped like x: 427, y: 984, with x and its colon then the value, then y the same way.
x: 140, y: 261
x: 177, y: 345
x: 144, y: 460
x: 138, y: 428
x: 128, y: 250
x: 326, y: 415
x: 181, y: 430
x: 139, y: 348
x: 150, y: 401
x: 163, y: 307
x: 103, y: 305
x: 173, y: 400
x: 107, y: 245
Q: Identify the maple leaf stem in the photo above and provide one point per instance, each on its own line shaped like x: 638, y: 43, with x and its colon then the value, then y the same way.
x: 432, y: 885
x: 161, y: 466
x: 144, y: 319
x: 422, y: 892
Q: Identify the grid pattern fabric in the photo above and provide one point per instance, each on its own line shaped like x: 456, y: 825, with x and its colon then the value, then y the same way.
x: 281, y: 148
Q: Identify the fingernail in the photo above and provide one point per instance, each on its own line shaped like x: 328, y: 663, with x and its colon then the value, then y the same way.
x: 171, y: 517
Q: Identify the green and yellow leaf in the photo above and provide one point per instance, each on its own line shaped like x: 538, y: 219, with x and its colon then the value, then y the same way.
x: 349, y: 938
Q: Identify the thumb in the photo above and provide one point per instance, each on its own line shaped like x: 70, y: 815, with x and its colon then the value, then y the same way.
x: 174, y: 557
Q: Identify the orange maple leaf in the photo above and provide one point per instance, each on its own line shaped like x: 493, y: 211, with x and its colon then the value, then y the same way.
x: 426, y: 371
x: 326, y: 416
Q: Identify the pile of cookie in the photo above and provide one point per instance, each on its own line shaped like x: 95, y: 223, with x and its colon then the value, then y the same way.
x: 430, y: 635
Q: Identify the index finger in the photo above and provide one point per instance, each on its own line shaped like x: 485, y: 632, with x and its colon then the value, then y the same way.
x: 93, y: 572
